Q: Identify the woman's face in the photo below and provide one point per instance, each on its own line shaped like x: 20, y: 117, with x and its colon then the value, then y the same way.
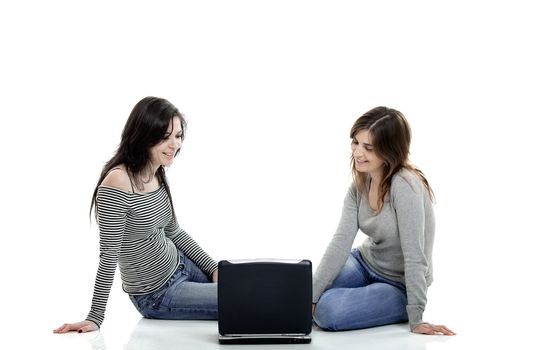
x: 164, y: 152
x: 365, y: 159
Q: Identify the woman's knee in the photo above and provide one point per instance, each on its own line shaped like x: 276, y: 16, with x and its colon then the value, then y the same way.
x: 325, y: 315
x: 355, y: 308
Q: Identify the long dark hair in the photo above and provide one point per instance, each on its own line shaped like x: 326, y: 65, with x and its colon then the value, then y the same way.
x: 146, y: 126
x: 391, y: 137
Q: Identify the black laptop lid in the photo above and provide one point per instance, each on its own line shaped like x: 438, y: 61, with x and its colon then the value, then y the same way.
x: 265, y: 297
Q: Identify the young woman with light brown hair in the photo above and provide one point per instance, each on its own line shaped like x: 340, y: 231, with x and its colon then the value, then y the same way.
x: 385, y: 280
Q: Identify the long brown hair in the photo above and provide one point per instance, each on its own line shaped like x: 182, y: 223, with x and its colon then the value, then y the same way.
x: 146, y: 126
x: 391, y: 137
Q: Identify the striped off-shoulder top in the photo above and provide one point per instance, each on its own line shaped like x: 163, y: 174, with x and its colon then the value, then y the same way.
x: 139, y: 234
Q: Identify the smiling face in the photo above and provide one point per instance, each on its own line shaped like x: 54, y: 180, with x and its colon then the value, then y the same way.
x: 164, y: 152
x: 364, y: 156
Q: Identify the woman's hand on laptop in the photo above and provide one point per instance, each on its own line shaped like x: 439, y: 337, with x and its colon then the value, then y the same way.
x: 215, y: 276
x: 80, y: 327
x: 428, y: 328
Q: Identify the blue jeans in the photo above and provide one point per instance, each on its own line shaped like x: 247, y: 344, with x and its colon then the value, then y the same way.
x: 360, y: 298
x: 188, y: 295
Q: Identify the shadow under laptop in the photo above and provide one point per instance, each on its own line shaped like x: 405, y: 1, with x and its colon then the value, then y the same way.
x: 176, y: 334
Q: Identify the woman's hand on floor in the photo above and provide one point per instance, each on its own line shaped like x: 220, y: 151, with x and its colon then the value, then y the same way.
x: 81, y: 327
x: 428, y: 328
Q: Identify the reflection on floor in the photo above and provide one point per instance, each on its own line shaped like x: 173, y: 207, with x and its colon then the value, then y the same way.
x: 159, y: 334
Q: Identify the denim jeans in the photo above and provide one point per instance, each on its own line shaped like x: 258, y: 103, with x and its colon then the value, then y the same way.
x: 360, y: 298
x: 188, y: 295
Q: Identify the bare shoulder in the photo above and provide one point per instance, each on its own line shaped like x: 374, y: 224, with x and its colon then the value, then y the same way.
x: 118, y: 178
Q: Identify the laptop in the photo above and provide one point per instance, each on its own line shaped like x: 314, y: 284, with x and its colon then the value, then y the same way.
x: 264, y: 301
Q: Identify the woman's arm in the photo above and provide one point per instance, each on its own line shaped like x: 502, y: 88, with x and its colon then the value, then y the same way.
x: 111, y: 209
x: 192, y: 250
x: 338, y: 249
x: 408, y: 202
x: 415, y: 222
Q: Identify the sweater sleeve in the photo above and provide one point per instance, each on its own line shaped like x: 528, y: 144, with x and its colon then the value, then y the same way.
x: 111, y: 208
x: 339, y: 248
x: 187, y: 245
x: 408, y: 202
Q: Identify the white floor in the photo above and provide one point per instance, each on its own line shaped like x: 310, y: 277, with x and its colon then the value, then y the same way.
x: 154, y: 334
x: 157, y: 334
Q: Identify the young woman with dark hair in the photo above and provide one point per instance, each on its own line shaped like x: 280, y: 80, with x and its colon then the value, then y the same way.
x: 384, y: 280
x: 165, y: 272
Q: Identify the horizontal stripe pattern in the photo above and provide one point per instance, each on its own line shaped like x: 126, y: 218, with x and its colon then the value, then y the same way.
x: 139, y: 234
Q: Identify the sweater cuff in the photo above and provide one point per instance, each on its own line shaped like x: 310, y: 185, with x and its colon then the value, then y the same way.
x: 93, y: 320
x: 414, y: 312
x: 316, y: 295
x: 212, y: 267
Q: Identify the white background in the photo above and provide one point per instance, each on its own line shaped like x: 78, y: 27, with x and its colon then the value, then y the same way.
x: 270, y: 90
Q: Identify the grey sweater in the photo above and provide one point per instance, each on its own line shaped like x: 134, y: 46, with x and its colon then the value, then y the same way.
x: 398, y: 245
